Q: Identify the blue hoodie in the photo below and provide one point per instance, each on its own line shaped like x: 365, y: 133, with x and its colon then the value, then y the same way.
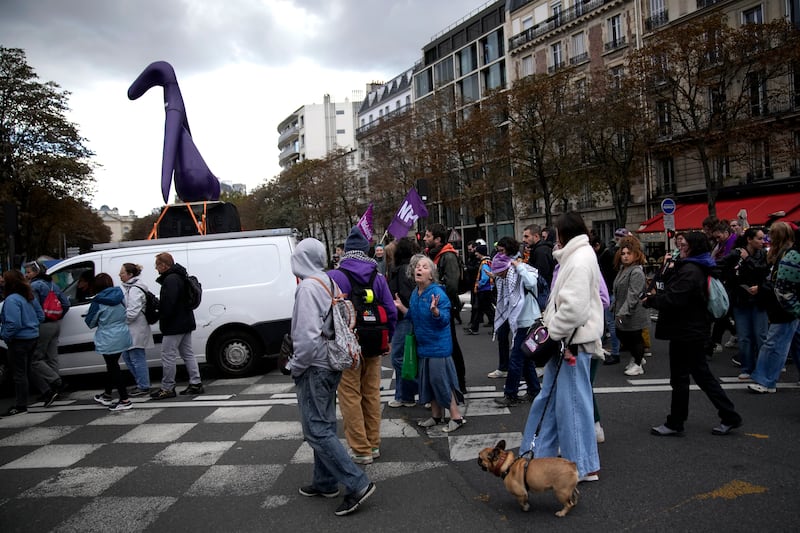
x: 107, y: 314
x: 20, y: 318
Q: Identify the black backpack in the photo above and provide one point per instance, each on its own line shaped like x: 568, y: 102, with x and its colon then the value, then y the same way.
x: 150, y: 311
x: 372, y: 320
x: 194, y: 292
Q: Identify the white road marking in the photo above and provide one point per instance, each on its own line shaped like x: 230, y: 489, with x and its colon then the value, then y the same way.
x: 79, y: 482
x: 53, y: 456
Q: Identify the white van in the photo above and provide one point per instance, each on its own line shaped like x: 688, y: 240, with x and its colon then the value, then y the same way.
x: 248, y: 295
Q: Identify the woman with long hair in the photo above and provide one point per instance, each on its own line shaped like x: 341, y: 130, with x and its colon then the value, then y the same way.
x: 107, y: 314
x: 685, y: 322
x: 563, y: 409
x: 782, y: 323
x: 629, y: 315
x: 19, y: 329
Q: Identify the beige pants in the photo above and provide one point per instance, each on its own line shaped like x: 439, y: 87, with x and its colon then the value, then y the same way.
x: 360, y: 402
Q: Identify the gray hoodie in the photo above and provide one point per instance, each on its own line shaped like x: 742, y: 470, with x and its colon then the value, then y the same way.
x: 311, y: 320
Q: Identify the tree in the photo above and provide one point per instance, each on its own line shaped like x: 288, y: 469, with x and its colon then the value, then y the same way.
x: 539, y: 134
x: 713, y: 88
x: 611, y: 145
x: 43, y: 159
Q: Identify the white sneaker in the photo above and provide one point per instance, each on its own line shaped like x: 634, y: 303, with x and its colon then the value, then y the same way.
x: 744, y: 376
x: 540, y: 372
x: 598, y: 431
x: 648, y: 354
x: 398, y: 403
x: 454, y: 425
x: 632, y: 362
x: 497, y: 374
x: 733, y: 342
x: 634, y: 370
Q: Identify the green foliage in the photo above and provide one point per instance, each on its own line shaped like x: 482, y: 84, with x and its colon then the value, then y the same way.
x: 45, y: 168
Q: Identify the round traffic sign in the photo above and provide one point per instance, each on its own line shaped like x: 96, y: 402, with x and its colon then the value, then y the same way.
x: 668, y: 206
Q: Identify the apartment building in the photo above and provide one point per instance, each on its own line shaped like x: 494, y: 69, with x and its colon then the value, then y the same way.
x: 314, y: 130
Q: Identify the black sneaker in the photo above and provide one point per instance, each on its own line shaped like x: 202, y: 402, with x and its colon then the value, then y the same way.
x: 353, y: 500
x: 311, y: 490
x: 162, y: 394
x: 14, y: 411
x: 735, y: 361
x: 507, y: 401
x: 49, y: 397
x: 193, y: 388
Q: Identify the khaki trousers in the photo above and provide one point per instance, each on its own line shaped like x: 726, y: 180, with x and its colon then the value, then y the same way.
x: 360, y: 402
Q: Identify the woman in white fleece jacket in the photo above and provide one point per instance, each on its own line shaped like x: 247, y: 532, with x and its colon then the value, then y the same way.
x: 574, y: 307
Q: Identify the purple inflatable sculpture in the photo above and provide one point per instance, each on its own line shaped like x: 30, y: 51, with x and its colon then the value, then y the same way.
x: 194, y: 181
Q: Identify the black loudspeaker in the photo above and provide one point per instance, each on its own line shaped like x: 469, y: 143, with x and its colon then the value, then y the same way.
x: 221, y: 217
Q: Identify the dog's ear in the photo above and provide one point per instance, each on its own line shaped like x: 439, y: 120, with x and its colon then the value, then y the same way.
x: 501, y: 445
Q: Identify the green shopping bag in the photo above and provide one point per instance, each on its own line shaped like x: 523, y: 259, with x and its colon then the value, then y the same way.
x: 410, y: 364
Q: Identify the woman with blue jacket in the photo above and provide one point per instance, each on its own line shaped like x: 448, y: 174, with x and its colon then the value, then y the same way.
x: 19, y: 328
x: 429, y: 312
x: 107, y: 314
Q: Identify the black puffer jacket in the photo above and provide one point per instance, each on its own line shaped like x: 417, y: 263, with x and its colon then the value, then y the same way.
x: 682, y: 313
x: 402, y: 285
x: 177, y: 316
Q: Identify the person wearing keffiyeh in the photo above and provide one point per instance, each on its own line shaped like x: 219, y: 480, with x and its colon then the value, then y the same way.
x: 516, y: 305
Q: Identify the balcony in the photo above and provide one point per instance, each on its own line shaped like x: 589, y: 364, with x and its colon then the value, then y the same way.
x: 289, y: 134
x: 578, y: 59
x: 616, y: 44
x: 564, y: 17
x: 657, y: 20
x: 287, y: 154
x: 551, y: 69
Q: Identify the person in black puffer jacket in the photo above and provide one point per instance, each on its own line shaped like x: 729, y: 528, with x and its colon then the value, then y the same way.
x: 684, y: 321
x: 176, y: 323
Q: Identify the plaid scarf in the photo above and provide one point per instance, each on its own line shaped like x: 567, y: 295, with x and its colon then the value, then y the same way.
x: 361, y: 256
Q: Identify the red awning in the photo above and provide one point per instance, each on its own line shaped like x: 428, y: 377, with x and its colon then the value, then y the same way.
x: 759, y: 209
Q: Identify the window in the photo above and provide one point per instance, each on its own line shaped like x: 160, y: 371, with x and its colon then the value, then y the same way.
x: 754, y: 15
x: 423, y: 83
x: 757, y: 87
x: 467, y: 60
x: 663, y: 119
x: 578, y: 49
x: 556, y: 9
x: 408, y: 99
x: 615, y: 77
x: 492, y: 46
x: 580, y: 91
x: 666, y: 175
x: 615, y: 31
x: 443, y: 71
x: 340, y: 111
x: 555, y: 52
x: 527, y: 23
x: 527, y: 66
x: 761, y: 167
x: 721, y: 168
x: 494, y: 77
x: 339, y: 132
x: 470, y: 91
x: 716, y: 100
x: 796, y: 83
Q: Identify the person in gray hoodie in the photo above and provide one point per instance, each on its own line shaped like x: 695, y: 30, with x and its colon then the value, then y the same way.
x: 316, y: 382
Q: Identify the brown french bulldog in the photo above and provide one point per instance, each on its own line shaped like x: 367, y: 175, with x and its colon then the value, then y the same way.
x: 537, y: 475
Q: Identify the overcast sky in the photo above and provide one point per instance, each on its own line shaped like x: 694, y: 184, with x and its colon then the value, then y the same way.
x: 242, y: 66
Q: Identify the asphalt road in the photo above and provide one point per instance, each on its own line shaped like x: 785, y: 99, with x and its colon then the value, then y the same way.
x: 232, y: 459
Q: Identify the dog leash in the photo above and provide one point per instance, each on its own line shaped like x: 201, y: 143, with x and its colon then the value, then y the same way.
x: 550, y: 397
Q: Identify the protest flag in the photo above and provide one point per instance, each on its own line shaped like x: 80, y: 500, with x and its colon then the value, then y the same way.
x: 412, y: 209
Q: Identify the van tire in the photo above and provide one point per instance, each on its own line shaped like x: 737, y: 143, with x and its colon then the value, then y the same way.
x: 236, y: 353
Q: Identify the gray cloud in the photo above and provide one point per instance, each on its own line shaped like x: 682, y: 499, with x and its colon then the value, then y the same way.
x: 72, y: 42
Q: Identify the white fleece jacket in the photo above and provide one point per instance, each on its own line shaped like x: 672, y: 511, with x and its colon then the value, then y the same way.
x: 575, y: 297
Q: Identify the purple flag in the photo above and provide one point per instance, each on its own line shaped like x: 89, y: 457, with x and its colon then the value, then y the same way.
x: 413, y: 208
x: 365, y: 223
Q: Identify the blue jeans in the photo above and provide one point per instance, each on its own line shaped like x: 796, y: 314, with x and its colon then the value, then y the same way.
x: 568, y: 423
x: 751, y: 330
x: 404, y: 389
x: 502, y: 346
x: 136, y: 361
x: 316, y: 398
x: 520, y: 366
x: 611, y: 326
x: 773, y: 353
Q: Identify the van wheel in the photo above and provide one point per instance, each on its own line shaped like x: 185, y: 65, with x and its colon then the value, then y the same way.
x: 236, y: 353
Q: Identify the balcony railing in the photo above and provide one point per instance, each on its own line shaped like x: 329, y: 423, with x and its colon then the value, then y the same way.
x: 555, y: 67
x: 657, y: 20
x: 578, y: 59
x: 619, y: 42
x: 366, y: 127
x: 706, y: 3
x: 564, y: 17
x: 287, y: 134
